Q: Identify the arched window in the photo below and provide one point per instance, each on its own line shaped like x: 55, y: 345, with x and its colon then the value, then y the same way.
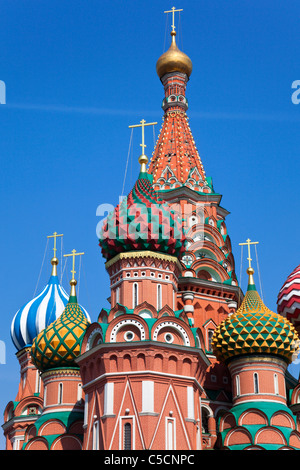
x: 255, y: 380
x: 127, y: 436
x: 210, y: 335
x: 135, y: 294
x: 117, y: 295
x: 204, y: 420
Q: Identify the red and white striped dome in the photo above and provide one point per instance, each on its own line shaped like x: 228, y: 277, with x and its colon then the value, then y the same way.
x: 288, y: 300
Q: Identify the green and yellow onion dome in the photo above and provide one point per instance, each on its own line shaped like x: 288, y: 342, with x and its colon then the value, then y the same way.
x: 142, y: 221
x: 58, y: 345
x: 254, y: 329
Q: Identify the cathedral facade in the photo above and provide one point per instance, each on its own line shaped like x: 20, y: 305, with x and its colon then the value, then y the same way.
x: 182, y: 359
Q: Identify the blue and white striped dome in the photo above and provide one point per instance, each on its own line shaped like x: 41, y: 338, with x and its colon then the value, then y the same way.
x: 37, y: 314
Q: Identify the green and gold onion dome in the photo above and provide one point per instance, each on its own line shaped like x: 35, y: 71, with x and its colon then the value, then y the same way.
x: 59, y: 344
x: 173, y: 60
x: 253, y: 330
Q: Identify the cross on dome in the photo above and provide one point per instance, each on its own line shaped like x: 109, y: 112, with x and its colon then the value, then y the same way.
x: 143, y: 160
x: 249, y: 242
x: 173, y: 10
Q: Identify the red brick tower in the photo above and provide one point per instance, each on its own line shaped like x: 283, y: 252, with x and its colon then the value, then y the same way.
x: 142, y: 364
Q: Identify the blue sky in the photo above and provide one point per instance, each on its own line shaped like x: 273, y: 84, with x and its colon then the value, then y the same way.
x: 78, y: 73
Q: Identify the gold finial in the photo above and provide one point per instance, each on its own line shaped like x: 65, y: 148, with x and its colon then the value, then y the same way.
x: 54, y: 260
x: 143, y: 159
x: 250, y: 270
x: 73, y: 281
x: 173, y: 10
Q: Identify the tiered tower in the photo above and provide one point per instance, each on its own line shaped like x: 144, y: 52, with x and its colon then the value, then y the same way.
x: 142, y: 363
x: 208, y: 290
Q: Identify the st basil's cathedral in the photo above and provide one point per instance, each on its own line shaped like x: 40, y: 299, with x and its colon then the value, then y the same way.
x: 182, y: 359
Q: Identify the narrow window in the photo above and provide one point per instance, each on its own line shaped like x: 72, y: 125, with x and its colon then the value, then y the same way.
x: 276, y: 384
x: 45, y: 396
x: 135, y: 295
x: 158, y: 296
x: 210, y: 335
x: 37, y: 382
x: 170, y: 434
x: 237, y: 385
x: 96, y: 435
x: 79, y: 392
x: 147, y: 396
x: 86, y: 409
x: 190, y: 403
x: 255, y: 379
x: 109, y: 398
x: 127, y: 436
x: 60, y: 392
x: 117, y: 295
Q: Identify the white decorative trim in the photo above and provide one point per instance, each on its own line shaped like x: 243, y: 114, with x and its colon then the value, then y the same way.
x: 92, y: 336
x: 127, y: 322
x: 174, y: 325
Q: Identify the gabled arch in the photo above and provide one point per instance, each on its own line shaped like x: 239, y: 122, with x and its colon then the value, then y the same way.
x: 147, y: 307
x: 117, y: 310
x: 166, y: 311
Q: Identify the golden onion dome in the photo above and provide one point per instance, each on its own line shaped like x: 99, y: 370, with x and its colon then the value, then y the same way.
x: 173, y: 60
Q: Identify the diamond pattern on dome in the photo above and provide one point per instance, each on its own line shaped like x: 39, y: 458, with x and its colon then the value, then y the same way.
x: 254, y: 329
x: 142, y: 221
x: 59, y: 344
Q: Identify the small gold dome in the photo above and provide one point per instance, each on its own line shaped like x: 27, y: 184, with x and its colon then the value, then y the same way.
x: 173, y: 60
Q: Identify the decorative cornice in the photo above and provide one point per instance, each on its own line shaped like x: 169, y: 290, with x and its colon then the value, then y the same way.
x: 60, y: 371
x: 143, y: 254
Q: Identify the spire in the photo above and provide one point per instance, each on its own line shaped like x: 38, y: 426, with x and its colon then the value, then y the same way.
x: 175, y: 161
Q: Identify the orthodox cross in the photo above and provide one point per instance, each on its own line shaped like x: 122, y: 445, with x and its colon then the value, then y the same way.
x: 143, y: 159
x: 249, y: 242
x: 74, y: 253
x: 55, y: 235
x: 173, y: 10
x: 142, y: 125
